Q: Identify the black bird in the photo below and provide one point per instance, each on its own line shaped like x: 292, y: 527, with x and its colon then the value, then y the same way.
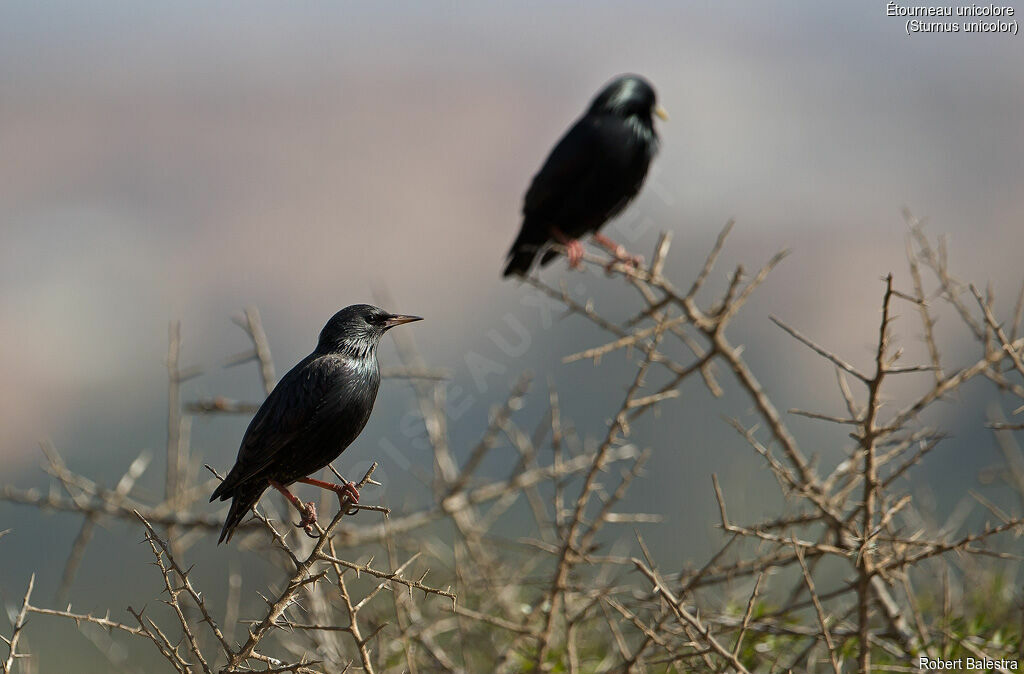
x: 597, y: 167
x: 311, y: 416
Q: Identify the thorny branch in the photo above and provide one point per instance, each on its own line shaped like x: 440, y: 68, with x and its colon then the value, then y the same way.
x: 838, y: 579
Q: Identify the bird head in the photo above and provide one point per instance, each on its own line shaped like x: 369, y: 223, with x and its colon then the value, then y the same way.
x: 629, y: 96
x: 357, y: 329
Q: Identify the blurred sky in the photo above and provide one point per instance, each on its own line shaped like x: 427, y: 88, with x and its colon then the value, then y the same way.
x: 182, y: 160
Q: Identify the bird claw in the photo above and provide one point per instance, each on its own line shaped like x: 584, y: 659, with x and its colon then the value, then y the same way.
x: 624, y: 257
x: 348, y: 497
x: 308, y: 520
x: 574, y: 251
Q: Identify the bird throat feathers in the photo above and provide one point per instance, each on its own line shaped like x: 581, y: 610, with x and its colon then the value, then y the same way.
x: 357, y: 348
x: 643, y: 130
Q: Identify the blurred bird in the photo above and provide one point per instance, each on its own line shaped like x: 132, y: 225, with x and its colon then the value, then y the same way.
x: 597, y: 167
x: 311, y: 416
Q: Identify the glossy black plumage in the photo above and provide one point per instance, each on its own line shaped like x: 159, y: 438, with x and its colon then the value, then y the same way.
x: 313, y: 413
x: 597, y: 167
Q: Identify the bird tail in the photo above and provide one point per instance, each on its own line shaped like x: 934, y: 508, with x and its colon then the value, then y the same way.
x: 243, y: 497
x: 523, y: 251
x: 519, y: 261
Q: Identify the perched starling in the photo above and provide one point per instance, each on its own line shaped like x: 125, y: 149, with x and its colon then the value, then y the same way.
x: 311, y: 416
x: 597, y: 167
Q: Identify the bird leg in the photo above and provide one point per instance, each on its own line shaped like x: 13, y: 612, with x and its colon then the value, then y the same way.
x: 620, y: 253
x: 307, y: 510
x: 347, y: 493
x: 574, y: 249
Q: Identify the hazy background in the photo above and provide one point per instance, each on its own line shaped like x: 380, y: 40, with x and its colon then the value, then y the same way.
x: 181, y: 161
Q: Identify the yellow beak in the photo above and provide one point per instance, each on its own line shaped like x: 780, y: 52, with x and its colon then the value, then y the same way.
x: 661, y: 112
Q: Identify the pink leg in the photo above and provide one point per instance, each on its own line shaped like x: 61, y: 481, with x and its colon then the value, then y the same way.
x: 307, y: 510
x: 573, y: 246
x: 618, y: 251
x: 345, y: 492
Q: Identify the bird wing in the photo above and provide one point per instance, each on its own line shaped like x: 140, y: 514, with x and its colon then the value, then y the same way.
x: 295, y: 406
x: 569, y: 163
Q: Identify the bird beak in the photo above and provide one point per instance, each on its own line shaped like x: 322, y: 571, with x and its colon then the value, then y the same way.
x: 661, y: 113
x: 399, y: 319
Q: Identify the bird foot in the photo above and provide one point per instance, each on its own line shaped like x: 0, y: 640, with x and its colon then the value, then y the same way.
x: 348, y: 496
x: 573, y: 247
x: 308, y: 519
x: 620, y: 254
x: 574, y: 251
